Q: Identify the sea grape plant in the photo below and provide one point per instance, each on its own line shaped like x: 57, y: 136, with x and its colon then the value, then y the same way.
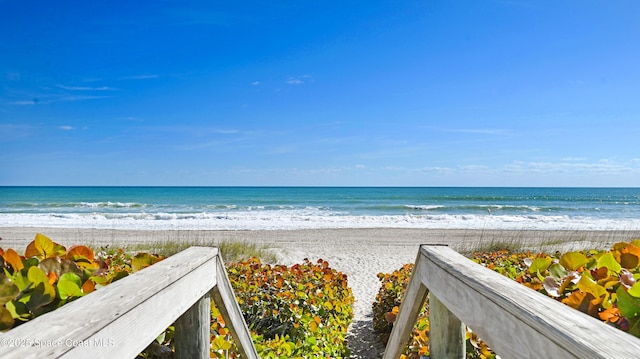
x: 293, y: 312
x: 386, y: 307
x: 603, y: 284
x: 300, y: 311
x: 49, y: 275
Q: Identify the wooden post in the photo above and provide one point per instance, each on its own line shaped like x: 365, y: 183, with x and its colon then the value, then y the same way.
x: 412, y: 303
x: 447, y: 334
x: 192, y: 336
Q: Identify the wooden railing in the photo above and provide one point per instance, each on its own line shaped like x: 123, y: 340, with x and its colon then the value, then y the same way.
x: 515, y: 321
x: 123, y: 318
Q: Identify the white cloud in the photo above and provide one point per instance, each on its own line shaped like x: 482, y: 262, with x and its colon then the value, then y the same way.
x: 67, y: 128
x: 436, y: 169
x: 298, y: 80
x: 24, y: 102
x: 255, y: 83
x: 600, y: 167
x: 47, y: 99
x: 140, y: 77
x: 474, y: 168
x: 85, y: 88
x: 481, y: 131
x: 294, y: 81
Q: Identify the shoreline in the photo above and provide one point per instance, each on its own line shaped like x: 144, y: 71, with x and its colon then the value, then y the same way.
x: 459, y: 239
x: 359, y: 253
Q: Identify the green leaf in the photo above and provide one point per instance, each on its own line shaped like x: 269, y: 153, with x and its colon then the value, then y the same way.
x: 42, y: 245
x: 37, y: 275
x: 609, y: 262
x: 220, y: 343
x: 539, y: 265
x: 71, y: 277
x: 629, y: 306
x: 557, y: 271
x: 140, y: 261
x: 69, y: 286
x: 573, y: 260
x: 634, y: 326
x: 312, y: 340
x: 6, y: 319
x: 587, y: 285
x: 18, y: 310
x: 8, y: 290
x: 635, y: 290
x: 42, y: 294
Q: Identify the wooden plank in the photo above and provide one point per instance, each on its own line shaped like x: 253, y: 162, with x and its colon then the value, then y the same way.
x: 121, y: 319
x: 226, y: 302
x: 516, y: 321
x: 410, y: 308
x: 447, y: 334
x: 192, y: 337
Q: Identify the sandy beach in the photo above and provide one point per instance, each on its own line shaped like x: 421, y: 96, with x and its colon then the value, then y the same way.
x: 360, y: 253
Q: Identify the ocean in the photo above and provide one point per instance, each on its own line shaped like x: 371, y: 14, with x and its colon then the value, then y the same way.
x: 260, y: 208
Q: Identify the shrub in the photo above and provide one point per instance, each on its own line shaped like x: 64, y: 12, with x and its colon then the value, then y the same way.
x: 293, y: 312
x: 603, y: 284
x: 48, y: 276
x: 385, y: 311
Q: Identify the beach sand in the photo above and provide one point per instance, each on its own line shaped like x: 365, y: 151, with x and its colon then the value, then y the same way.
x: 359, y: 253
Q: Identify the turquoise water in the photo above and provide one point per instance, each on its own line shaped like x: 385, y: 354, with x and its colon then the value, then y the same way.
x: 320, y: 207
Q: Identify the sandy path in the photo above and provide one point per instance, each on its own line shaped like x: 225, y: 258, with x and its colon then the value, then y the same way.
x: 359, y: 253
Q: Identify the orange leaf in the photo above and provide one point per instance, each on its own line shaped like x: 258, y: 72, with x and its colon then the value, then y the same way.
x: 610, y: 315
x: 13, y: 258
x: 52, y: 277
x: 88, y: 286
x: 82, y: 251
x: 313, y: 326
x: 579, y: 300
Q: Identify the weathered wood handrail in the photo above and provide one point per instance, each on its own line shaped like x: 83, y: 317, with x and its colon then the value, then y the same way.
x: 121, y: 319
x: 515, y: 321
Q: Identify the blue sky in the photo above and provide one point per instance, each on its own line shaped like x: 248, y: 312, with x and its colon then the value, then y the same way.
x: 356, y: 93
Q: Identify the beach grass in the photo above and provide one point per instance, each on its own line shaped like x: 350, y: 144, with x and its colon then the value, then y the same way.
x: 231, y: 251
x: 546, y: 242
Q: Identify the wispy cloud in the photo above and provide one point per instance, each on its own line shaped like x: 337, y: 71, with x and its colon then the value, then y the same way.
x: 299, y: 80
x: 86, y: 88
x: 599, y: 167
x: 482, y: 131
x: 140, y: 77
x: 437, y: 169
x: 24, y: 102
x: 47, y: 99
